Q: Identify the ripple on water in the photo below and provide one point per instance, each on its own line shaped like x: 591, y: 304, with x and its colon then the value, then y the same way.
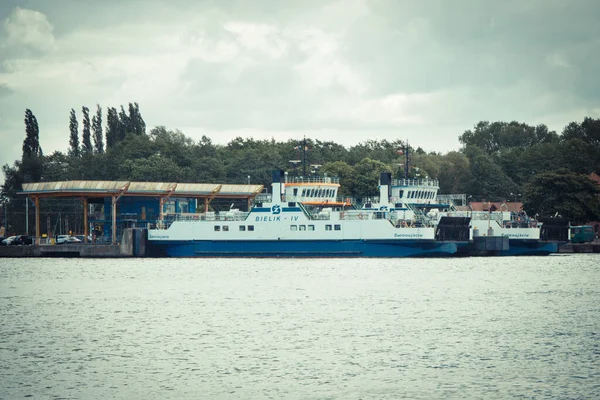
x: 343, y: 329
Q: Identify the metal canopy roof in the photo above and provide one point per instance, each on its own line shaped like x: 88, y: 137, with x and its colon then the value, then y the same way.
x: 126, y: 188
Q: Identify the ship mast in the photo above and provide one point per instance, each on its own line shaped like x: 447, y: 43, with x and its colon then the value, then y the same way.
x: 405, y: 150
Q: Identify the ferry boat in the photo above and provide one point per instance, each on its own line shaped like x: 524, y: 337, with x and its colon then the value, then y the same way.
x: 304, y: 217
x: 496, y: 232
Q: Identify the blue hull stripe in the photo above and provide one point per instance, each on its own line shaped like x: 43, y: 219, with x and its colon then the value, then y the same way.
x: 321, y: 248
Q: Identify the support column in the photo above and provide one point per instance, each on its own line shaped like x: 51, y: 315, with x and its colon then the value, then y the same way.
x: 37, y: 220
x: 86, y: 228
x: 161, y: 202
x: 206, y: 205
x: 27, y: 215
x: 114, y: 220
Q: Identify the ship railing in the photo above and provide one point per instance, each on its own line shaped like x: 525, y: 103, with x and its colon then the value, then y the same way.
x: 324, y: 200
x: 416, y: 182
x: 209, y: 216
x: 312, y: 179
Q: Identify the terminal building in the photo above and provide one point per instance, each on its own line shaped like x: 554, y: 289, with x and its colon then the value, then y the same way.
x: 111, y: 206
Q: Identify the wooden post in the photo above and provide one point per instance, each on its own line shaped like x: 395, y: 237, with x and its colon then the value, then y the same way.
x: 206, y: 205
x: 114, y: 220
x: 86, y: 229
x: 37, y: 220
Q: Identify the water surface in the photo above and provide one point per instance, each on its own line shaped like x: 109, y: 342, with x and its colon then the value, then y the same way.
x: 526, y: 327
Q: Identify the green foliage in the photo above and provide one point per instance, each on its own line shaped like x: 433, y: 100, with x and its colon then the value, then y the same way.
x: 497, y: 158
x: 97, y: 131
x: 74, y: 135
x: 488, y: 180
x: 364, y: 182
x: 455, y: 173
x: 495, y: 137
x: 31, y: 144
x: 86, y: 136
x: 573, y: 196
x: 156, y: 168
x: 344, y: 172
x: 113, y: 127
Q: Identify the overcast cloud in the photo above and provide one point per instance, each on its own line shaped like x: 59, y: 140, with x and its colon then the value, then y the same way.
x: 345, y: 71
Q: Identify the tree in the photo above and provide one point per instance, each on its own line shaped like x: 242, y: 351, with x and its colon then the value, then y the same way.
x: 573, y: 196
x: 125, y: 125
x: 113, y: 127
x: 155, y: 168
x: 344, y: 172
x: 97, y: 131
x: 488, y: 179
x: 74, y: 136
x: 495, y: 137
x: 364, y: 183
x: 86, y: 137
x: 137, y: 124
x: 31, y: 144
x: 454, y: 173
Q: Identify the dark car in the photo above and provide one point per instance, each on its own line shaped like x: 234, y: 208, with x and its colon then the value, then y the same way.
x: 22, y: 240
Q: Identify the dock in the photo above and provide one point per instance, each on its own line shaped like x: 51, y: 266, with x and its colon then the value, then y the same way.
x: 133, y: 244
x: 591, y: 247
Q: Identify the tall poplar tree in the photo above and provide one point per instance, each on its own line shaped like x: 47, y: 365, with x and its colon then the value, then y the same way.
x: 138, y: 126
x: 97, y: 131
x: 125, y: 124
x: 31, y: 144
x: 86, y: 137
x: 74, y: 135
x: 112, y: 127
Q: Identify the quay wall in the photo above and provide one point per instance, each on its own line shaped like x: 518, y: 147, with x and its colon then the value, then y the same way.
x: 133, y: 244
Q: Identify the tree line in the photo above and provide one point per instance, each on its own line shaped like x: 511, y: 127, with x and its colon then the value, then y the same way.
x: 498, y: 161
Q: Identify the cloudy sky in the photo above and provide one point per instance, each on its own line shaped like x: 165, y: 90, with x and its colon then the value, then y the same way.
x: 346, y: 70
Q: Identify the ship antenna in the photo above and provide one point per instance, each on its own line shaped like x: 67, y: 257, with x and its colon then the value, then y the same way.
x: 406, y: 160
x: 304, y: 156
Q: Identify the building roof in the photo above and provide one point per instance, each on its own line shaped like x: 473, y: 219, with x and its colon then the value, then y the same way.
x: 497, y: 206
x: 128, y: 188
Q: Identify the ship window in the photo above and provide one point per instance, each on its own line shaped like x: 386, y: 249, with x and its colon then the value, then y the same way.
x: 293, y: 227
x: 401, y: 193
x: 217, y: 228
x: 242, y: 228
x: 338, y: 227
x: 303, y: 192
x: 250, y: 228
x: 311, y: 227
x: 327, y: 227
x: 225, y: 228
x: 295, y: 191
x: 302, y: 227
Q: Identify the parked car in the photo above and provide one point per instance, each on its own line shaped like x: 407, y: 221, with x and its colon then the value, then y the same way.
x: 8, y: 240
x: 67, y: 239
x: 22, y: 240
x: 82, y: 238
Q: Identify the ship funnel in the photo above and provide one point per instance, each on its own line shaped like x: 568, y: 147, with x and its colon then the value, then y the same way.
x: 278, y: 184
x: 385, y: 183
